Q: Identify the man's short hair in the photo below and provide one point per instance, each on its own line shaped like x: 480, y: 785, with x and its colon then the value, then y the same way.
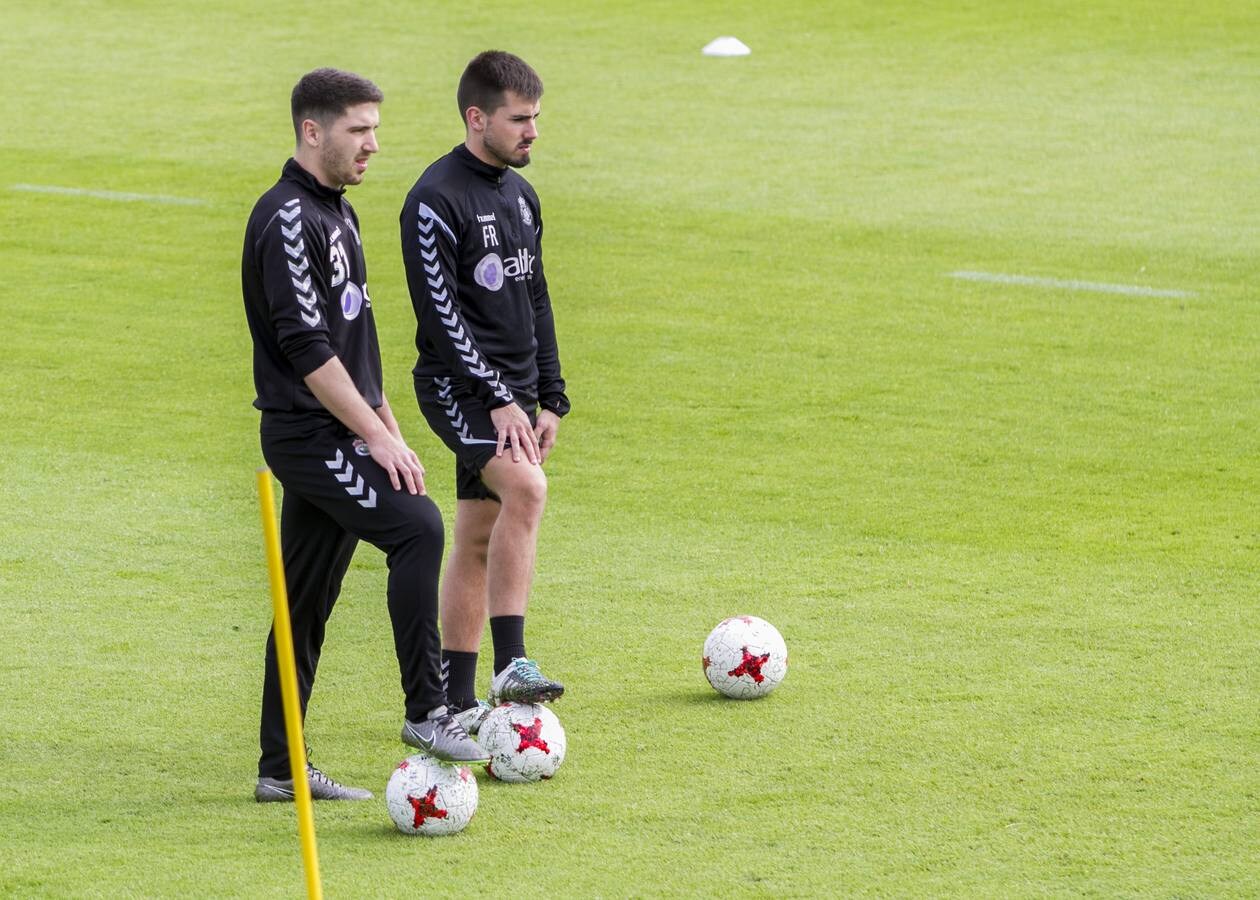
x: 325, y: 94
x: 488, y: 78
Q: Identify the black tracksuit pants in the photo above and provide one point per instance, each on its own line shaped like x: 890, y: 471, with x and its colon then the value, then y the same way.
x: 333, y: 498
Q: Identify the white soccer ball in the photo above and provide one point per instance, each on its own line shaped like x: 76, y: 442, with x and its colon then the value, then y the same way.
x: 426, y: 796
x: 526, y: 742
x: 745, y: 657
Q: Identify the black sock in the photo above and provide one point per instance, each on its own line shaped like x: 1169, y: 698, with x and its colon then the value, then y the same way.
x: 459, y: 679
x: 508, y: 634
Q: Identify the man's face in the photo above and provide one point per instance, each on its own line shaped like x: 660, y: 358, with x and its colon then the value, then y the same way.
x: 346, y: 144
x: 511, y: 129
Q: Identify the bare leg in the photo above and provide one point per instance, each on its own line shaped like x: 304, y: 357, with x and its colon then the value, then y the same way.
x: 509, y: 573
x: 463, y: 597
x: 490, y: 572
x: 510, y: 553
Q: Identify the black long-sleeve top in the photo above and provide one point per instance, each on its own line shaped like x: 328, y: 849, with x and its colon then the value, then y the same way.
x: 304, y: 281
x: 472, y: 247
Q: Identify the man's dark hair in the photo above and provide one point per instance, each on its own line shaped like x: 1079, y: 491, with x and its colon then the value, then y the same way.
x: 488, y: 78
x: 325, y: 94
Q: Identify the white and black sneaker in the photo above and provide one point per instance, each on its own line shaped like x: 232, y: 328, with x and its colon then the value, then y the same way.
x: 272, y: 790
x: 470, y: 719
x: 521, y: 682
x: 441, y: 736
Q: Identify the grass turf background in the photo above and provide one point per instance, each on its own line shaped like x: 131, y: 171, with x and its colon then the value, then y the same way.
x: 1008, y: 532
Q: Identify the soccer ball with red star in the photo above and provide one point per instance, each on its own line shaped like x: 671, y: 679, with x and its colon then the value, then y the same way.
x: 745, y: 657
x: 426, y: 796
x: 525, y: 741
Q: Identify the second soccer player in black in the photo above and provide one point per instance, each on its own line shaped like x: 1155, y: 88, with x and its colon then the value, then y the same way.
x: 488, y: 375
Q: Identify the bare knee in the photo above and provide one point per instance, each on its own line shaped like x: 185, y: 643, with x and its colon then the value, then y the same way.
x: 525, y: 497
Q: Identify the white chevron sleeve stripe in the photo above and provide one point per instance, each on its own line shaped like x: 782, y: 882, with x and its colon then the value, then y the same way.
x: 426, y: 212
x: 442, y: 301
x: 296, y: 250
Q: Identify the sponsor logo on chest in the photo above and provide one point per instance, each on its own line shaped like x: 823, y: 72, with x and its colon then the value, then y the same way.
x: 492, y: 270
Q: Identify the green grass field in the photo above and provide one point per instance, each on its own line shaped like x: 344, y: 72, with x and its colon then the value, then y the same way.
x: 1008, y: 531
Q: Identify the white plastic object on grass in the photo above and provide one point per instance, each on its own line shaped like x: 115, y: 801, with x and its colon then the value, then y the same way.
x: 726, y: 46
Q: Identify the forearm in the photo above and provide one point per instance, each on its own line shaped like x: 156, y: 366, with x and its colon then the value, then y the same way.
x: 386, y: 415
x: 332, y: 386
x: 550, y: 382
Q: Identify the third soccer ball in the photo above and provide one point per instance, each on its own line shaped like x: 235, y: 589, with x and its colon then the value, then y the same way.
x: 526, y: 742
x: 426, y: 796
x: 745, y: 657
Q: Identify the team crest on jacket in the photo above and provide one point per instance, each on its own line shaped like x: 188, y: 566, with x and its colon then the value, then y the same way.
x: 526, y: 216
x: 489, y: 272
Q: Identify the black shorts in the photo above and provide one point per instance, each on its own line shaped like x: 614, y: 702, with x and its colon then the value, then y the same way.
x: 463, y: 423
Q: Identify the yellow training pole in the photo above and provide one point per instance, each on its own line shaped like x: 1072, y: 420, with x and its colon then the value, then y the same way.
x: 288, y: 686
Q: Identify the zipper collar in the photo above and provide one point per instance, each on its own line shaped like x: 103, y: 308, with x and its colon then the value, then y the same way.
x: 294, y: 171
x: 485, y: 170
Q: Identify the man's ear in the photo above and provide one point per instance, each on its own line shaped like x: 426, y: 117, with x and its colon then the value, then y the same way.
x: 311, y: 132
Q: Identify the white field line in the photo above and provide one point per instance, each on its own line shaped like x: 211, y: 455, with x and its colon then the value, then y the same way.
x: 1135, y: 290
x: 108, y: 195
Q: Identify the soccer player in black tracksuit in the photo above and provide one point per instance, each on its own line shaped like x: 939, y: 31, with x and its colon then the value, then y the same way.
x: 327, y: 430
x: 488, y: 375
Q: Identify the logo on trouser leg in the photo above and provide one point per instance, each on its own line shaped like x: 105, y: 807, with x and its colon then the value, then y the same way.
x: 343, y: 471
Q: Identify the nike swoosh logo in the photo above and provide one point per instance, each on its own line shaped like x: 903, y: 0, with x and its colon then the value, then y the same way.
x: 419, y: 739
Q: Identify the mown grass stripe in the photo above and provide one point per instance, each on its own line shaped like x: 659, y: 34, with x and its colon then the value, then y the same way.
x: 121, y: 196
x: 1070, y: 284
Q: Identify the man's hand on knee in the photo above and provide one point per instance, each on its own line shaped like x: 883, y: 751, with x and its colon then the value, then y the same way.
x: 514, y: 429
x: 401, y: 463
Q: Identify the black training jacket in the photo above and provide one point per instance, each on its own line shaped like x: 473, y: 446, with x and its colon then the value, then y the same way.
x: 305, y: 286
x: 472, y: 247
